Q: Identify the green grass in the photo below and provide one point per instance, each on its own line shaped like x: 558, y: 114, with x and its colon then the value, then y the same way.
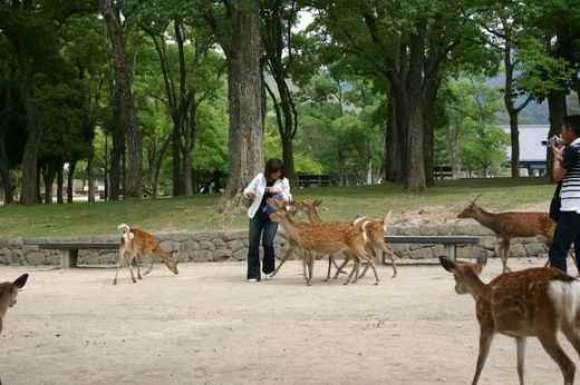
x: 200, y: 213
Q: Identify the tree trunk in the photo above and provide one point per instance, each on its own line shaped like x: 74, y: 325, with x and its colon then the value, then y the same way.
x: 178, y: 185
x: 7, y: 185
x: 49, y: 173
x: 515, y: 139
x: 70, y: 181
x: 416, y: 180
x: 188, y: 153
x: 59, y: 183
x: 124, y: 110
x: 557, y: 109
x: 429, y: 143
x: 245, y: 100
x: 29, y: 194
x: 91, y: 178
x: 396, y: 138
x: 116, y: 163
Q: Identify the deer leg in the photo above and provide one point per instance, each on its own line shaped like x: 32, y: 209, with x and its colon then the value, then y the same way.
x: 330, y: 262
x: 150, y: 268
x: 130, y: 264
x: 283, y: 259
x: 485, y: 340
x: 341, y: 267
x: 120, y: 256
x: 391, y: 255
x: 310, y: 268
x: 550, y: 344
x: 354, y: 269
x: 521, y: 348
x: 138, y: 263
x: 504, y: 252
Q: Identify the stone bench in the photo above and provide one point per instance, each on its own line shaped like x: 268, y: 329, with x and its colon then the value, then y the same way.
x: 70, y: 251
x: 451, y: 242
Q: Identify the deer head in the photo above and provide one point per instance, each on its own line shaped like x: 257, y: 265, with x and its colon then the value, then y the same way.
x: 471, y: 210
x: 464, y: 273
x: 127, y: 235
x: 9, y: 290
x: 280, y: 215
x: 171, y: 262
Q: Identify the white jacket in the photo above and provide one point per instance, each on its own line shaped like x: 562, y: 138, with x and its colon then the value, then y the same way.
x: 258, y: 186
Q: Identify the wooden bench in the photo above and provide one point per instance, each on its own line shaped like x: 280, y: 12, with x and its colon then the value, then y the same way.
x: 70, y: 251
x: 451, y: 242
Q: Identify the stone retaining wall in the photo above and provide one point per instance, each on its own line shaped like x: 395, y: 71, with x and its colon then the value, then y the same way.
x: 232, y: 245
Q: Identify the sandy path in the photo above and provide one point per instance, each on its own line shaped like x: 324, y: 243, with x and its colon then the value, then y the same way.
x: 207, y: 326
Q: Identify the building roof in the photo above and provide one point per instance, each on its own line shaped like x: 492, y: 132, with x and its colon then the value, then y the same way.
x: 531, y: 137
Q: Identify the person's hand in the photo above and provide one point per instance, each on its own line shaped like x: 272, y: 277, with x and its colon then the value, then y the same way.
x: 273, y: 190
x: 558, y: 153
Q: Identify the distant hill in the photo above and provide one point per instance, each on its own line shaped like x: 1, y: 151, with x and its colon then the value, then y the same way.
x: 534, y: 113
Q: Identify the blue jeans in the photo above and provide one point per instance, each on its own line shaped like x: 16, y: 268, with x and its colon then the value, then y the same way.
x: 567, y: 232
x: 261, y: 227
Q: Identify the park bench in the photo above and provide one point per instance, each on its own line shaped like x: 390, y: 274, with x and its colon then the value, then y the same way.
x: 442, y: 172
x: 451, y: 242
x: 70, y: 251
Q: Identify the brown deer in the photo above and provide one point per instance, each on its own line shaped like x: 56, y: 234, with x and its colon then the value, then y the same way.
x: 375, y: 229
x: 326, y: 239
x: 134, y: 245
x: 510, y: 225
x: 8, y: 295
x: 537, y: 302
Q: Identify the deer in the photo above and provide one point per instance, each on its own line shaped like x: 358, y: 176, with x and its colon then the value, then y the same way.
x: 375, y: 229
x: 325, y: 239
x: 537, y: 302
x: 134, y: 245
x: 8, y: 295
x: 508, y: 225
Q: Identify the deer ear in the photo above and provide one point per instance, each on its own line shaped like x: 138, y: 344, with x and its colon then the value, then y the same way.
x: 447, y: 264
x: 317, y: 202
x: 21, y: 281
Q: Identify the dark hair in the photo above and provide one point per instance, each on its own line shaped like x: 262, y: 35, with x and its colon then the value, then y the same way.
x: 572, y: 122
x: 273, y: 165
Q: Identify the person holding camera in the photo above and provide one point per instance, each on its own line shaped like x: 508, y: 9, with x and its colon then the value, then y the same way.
x: 265, y: 187
x: 566, y: 171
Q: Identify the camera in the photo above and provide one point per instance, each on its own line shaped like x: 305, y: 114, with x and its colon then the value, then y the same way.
x: 554, y: 141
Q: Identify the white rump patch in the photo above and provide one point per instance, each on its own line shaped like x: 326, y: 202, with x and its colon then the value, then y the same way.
x: 386, y: 220
x: 566, y: 299
x: 358, y: 220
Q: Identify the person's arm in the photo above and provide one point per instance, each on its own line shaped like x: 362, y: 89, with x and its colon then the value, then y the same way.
x: 286, y: 190
x: 559, y: 167
x: 250, y: 190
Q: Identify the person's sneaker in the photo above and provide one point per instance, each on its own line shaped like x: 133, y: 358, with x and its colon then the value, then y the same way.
x: 267, y: 277
x: 252, y: 280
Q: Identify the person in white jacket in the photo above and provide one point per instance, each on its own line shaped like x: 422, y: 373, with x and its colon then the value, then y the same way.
x: 271, y: 184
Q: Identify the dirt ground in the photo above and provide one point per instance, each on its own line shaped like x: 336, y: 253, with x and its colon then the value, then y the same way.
x: 208, y: 326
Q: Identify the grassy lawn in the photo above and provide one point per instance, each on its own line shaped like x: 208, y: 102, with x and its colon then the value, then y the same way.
x: 200, y: 213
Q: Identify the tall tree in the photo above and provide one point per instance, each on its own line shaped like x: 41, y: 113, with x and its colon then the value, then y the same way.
x: 124, y: 110
x: 278, y: 18
x: 237, y: 28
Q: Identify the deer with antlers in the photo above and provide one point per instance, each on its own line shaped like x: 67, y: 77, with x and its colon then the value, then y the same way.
x: 510, y: 225
x: 8, y: 295
x: 538, y: 302
x: 326, y: 239
x: 134, y: 245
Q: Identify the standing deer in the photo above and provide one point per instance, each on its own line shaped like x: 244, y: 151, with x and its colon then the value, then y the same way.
x: 375, y: 229
x: 8, y: 295
x: 326, y: 239
x: 134, y: 245
x: 510, y: 225
x: 537, y: 302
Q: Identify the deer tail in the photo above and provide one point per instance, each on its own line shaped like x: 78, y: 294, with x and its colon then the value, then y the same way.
x: 565, y: 295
